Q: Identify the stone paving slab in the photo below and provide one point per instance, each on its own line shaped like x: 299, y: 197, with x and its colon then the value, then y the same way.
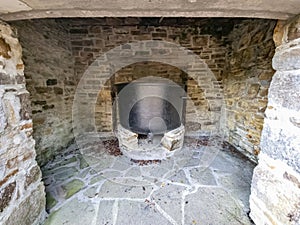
x: 142, y: 213
x: 213, y: 206
x: 73, y: 212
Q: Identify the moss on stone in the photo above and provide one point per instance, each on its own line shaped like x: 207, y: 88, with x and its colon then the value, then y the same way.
x: 50, y: 201
x: 72, y: 187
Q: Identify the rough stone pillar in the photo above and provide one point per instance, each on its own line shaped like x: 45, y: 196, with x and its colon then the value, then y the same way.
x: 275, y: 190
x: 22, y: 198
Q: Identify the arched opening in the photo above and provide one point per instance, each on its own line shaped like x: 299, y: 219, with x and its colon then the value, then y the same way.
x: 238, y: 52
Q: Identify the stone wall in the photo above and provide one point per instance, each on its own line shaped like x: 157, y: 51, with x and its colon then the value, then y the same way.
x: 22, y: 198
x: 275, y: 190
x: 50, y: 80
x: 91, y: 38
x: 238, y: 53
x: 134, y: 72
x: 246, y: 82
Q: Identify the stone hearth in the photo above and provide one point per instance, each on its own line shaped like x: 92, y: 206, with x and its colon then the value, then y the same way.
x: 156, y: 147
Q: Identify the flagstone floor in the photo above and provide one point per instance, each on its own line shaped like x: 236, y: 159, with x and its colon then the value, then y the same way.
x: 200, y: 184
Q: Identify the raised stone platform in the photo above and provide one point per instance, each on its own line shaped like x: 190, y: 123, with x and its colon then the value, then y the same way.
x: 156, y: 147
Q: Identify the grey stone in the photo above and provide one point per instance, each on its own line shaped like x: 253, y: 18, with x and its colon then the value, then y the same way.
x: 50, y: 201
x: 6, y: 195
x: 287, y: 59
x: 204, y: 207
x: 91, y: 192
x: 105, y: 213
x: 203, y: 176
x: 72, y: 187
x: 30, y: 210
x: 64, y: 173
x: 96, y: 179
x: 276, y: 144
x: 285, y: 90
x: 179, y: 177
x: 144, y: 213
x: 272, y: 184
x: 120, y: 190
x: 133, y: 172
x: 169, y: 198
x: 72, y: 213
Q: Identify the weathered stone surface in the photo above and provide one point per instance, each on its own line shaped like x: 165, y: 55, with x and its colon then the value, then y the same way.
x: 4, y: 49
x: 169, y: 198
x: 6, y: 195
x: 209, y: 211
x: 106, y: 212
x: 144, y: 213
x: 31, y: 209
x: 275, y: 185
x: 48, y: 66
x: 292, y: 31
x: 287, y: 59
x: 285, y: 90
x: 204, y: 176
x: 73, y: 213
x: 50, y: 201
x: 72, y: 187
x: 280, y: 140
x: 124, y: 192
x: 246, y: 83
x: 21, y: 192
x: 33, y: 175
x: 275, y: 193
x: 116, y: 189
x: 173, y: 139
x: 25, y: 111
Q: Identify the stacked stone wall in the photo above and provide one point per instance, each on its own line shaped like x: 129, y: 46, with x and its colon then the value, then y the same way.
x: 275, y: 190
x: 237, y: 52
x: 246, y: 83
x: 22, y: 198
x: 91, y: 38
x: 50, y: 80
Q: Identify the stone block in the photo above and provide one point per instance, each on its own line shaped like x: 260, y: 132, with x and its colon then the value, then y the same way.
x: 287, y: 58
x: 25, y: 111
x: 173, y: 139
x: 72, y: 187
x: 31, y: 210
x: 280, y: 140
x: 32, y: 176
x: 200, y: 41
x: 285, y: 90
x: 6, y: 195
x: 12, y: 106
x: 275, y: 193
x: 5, y: 49
x: 51, y: 82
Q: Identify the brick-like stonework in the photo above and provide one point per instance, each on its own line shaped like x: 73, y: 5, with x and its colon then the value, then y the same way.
x: 237, y: 52
x: 91, y: 38
x: 22, y: 197
x: 50, y: 80
x: 275, y: 189
x: 246, y: 83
